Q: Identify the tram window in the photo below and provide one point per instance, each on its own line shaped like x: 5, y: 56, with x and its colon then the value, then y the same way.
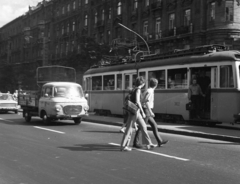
x: 97, y: 83
x: 119, y: 81
x: 160, y: 76
x: 226, y: 77
x: 108, y: 82
x: 127, y: 82
x: 177, y: 78
x: 134, y: 77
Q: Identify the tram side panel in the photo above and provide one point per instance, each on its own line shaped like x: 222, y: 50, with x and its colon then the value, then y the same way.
x: 224, y: 104
x: 171, y: 102
x: 107, y: 101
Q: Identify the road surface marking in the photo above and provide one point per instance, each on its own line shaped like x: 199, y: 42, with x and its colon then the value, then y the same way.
x: 49, y: 130
x: 155, y: 153
x: 5, y: 120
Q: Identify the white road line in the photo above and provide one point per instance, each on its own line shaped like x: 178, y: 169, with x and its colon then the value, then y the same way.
x: 155, y: 153
x: 49, y: 130
x: 5, y: 120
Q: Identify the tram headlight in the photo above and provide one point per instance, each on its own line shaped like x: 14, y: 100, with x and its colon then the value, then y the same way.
x: 86, y: 108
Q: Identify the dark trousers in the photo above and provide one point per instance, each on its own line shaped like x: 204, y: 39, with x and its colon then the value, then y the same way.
x: 196, y: 101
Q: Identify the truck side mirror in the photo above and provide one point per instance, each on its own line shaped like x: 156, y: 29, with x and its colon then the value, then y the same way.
x: 86, y: 96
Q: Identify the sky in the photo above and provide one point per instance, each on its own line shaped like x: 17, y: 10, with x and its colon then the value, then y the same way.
x: 11, y: 9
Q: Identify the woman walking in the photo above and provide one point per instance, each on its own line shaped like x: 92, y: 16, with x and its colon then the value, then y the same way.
x: 148, y: 104
x: 138, y: 117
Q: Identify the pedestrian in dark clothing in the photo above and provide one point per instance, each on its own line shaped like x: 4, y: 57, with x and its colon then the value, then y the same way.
x: 194, y: 95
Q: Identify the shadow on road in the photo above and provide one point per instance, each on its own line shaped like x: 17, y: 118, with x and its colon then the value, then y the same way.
x: 91, y: 147
x: 95, y: 131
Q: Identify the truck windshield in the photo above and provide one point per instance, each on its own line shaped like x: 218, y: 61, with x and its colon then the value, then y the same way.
x: 68, y: 91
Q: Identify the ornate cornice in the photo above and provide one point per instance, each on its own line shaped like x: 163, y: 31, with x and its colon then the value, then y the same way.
x: 186, y: 2
x: 171, y: 5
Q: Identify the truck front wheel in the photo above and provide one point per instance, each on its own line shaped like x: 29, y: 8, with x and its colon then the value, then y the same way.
x: 46, y: 120
x: 77, y: 121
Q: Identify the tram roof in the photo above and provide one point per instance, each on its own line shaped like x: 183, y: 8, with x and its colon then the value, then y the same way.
x: 184, y: 60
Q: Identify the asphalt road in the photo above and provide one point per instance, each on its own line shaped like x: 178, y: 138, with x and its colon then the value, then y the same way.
x: 64, y: 153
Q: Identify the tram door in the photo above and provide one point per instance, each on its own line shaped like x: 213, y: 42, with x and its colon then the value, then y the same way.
x: 203, y: 76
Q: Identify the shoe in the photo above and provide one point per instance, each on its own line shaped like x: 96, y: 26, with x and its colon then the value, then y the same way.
x: 148, y: 147
x: 153, y: 145
x: 162, y: 143
x: 122, y: 130
x: 138, y: 146
x: 126, y: 149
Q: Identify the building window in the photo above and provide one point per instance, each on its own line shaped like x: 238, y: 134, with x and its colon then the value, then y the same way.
x: 72, y: 46
x: 187, y: 17
x: 145, y: 28
x: 86, y: 1
x: 95, y: 18
x: 57, y: 50
x: 171, y: 21
x: 67, y: 45
x: 212, y: 11
x: 103, y: 14
x: 158, y: 28
x: 146, y: 3
x: 63, y: 10
x: 229, y: 10
x: 74, y: 5
x: 86, y: 20
x: 79, y: 2
x: 68, y: 26
x: 135, y: 4
x: 119, y: 8
x: 73, y: 26
x: 68, y: 7
x: 62, y: 29
x: 110, y: 14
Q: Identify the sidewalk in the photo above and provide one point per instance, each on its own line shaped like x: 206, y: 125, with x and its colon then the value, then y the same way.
x: 225, y: 132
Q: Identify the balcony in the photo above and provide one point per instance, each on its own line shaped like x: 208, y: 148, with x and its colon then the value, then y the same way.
x: 156, y: 6
x: 146, y: 12
x: 134, y: 15
x: 185, y: 29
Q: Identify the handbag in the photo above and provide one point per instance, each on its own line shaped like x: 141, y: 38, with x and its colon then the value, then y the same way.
x: 131, y: 107
x: 189, y: 106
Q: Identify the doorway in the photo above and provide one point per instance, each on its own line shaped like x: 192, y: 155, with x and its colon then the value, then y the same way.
x: 202, y: 104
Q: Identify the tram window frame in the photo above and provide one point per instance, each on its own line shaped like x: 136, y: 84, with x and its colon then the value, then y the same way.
x: 88, y: 83
x: 177, y: 78
x: 119, y: 82
x: 160, y: 77
x: 226, y: 76
x: 127, y: 84
x: 108, y: 79
x: 94, y: 81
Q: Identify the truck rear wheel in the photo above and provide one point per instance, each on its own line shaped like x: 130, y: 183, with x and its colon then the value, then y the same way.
x: 77, y: 121
x: 46, y: 120
x: 27, y: 117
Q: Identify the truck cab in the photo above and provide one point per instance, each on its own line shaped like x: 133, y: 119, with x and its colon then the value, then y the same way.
x: 62, y: 100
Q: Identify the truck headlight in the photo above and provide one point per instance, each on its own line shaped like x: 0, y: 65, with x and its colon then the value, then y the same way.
x: 58, y: 108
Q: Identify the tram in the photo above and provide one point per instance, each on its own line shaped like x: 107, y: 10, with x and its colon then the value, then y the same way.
x: 107, y: 85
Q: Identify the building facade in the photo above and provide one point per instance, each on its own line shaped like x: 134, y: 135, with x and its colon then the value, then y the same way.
x: 48, y: 34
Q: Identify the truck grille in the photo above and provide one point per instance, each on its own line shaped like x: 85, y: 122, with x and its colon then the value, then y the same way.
x: 8, y: 105
x: 72, y: 109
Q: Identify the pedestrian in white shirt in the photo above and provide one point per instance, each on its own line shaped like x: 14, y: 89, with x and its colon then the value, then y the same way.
x: 148, y: 104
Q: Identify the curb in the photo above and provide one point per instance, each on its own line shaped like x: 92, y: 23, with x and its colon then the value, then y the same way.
x: 186, y: 133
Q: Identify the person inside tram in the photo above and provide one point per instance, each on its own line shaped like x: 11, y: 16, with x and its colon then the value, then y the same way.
x: 194, y: 96
x: 171, y: 83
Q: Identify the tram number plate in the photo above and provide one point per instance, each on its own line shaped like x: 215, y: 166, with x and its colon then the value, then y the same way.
x: 73, y: 116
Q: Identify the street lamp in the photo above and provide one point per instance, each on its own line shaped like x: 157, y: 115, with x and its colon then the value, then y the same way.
x: 137, y: 35
x: 41, y: 26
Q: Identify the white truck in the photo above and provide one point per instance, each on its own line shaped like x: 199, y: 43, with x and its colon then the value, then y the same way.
x: 58, y: 96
